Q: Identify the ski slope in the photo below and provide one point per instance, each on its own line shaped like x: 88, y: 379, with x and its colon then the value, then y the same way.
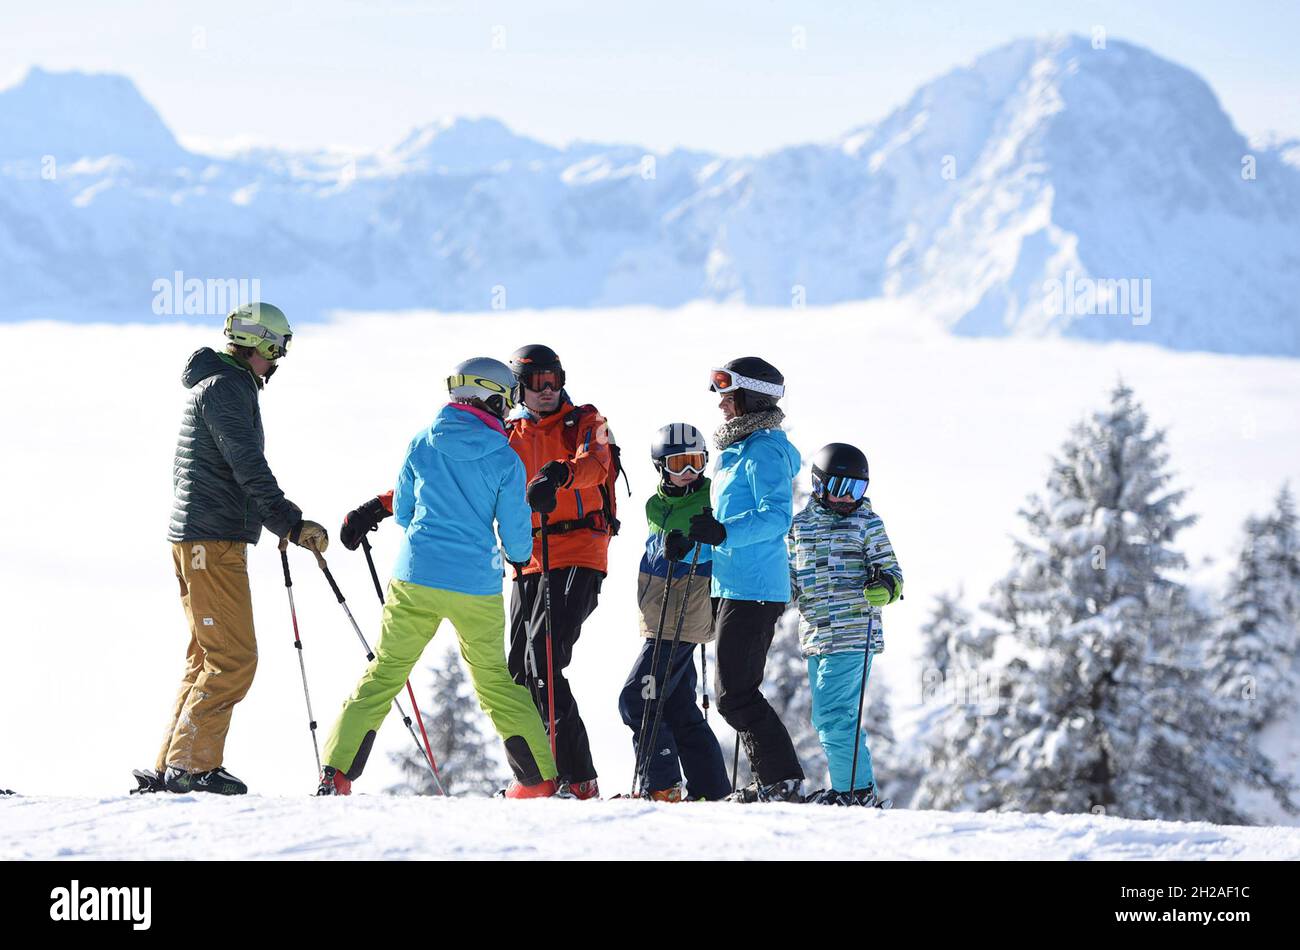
x: 205, y: 828
x: 957, y: 430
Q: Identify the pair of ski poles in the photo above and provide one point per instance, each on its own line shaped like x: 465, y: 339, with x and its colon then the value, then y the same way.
x: 640, y: 775
x: 426, y: 750
x: 530, y: 658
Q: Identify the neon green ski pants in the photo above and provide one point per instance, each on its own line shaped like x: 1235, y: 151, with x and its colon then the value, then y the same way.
x: 412, y: 615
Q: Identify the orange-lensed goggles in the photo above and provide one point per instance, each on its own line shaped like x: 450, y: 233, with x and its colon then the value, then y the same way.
x: 686, y: 462
x: 539, y: 380
x: 724, y: 381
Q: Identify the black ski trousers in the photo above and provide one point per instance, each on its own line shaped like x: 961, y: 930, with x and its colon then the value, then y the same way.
x: 574, y: 592
x: 745, y: 629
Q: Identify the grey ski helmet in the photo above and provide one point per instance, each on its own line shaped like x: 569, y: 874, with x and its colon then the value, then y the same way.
x: 486, y: 380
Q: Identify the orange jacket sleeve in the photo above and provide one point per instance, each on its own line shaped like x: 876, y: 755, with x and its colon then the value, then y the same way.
x: 386, y: 499
x: 592, y: 462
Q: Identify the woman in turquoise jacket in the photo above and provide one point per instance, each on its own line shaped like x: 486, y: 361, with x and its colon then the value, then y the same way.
x: 753, y: 506
x: 460, y: 477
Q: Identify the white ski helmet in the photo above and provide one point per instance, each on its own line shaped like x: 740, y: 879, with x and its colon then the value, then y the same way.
x: 485, y: 379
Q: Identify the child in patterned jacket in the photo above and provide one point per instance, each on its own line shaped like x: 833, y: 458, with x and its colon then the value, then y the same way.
x: 843, y: 570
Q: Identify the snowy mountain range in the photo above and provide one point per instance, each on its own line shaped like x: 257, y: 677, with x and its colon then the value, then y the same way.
x: 1027, y: 193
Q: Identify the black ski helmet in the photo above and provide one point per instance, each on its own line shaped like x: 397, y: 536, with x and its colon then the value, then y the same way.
x: 679, y: 438
x: 534, y: 356
x: 838, y: 460
x: 756, y: 368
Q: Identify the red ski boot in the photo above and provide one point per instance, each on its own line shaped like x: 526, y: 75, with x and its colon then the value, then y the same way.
x: 333, y: 782
x: 544, y: 789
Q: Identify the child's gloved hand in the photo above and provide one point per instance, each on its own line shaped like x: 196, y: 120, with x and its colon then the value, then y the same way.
x: 677, y: 545
x: 884, y: 589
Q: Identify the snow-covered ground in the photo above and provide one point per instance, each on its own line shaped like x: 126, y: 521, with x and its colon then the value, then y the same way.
x: 372, y: 827
x: 957, y: 430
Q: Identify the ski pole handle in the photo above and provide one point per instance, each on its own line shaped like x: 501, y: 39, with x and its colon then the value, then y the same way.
x: 284, y: 561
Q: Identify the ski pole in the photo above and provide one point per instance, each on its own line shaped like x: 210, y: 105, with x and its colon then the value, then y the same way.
x: 370, y: 563
x: 704, y: 677
x: 677, y: 638
x: 546, y: 607
x: 735, y: 763
x: 297, y: 643
x: 654, y: 678
x: 338, y: 594
x: 862, y: 691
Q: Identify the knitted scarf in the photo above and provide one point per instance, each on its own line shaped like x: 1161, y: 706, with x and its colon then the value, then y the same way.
x: 731, y: 432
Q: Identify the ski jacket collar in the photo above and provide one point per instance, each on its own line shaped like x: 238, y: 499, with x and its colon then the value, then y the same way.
x: 489, y: 420
x: 548, y: 421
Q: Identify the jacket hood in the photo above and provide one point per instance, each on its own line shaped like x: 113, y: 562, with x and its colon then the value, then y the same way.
x: 463, y: 436
x: 206, y: 362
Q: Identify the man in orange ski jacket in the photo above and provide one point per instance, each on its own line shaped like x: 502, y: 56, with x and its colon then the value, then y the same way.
x: 571, y: 463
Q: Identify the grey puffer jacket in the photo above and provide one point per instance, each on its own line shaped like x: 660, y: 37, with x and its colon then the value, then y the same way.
x: 224, y: 490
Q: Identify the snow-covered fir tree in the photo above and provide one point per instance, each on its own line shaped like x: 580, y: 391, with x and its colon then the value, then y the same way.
x: 1254, y: 657
x: 469, y: 759
x: 953, y: 681
x: 1107, y: 707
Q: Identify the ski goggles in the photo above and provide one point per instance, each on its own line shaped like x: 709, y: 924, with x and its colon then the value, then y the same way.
x: 839, y: 486
x: 686, y: 462
x: 725, y: 381
x: 492, y: 387
x: 266, y: 341
x: 540, y: 380
x: 276, y: 345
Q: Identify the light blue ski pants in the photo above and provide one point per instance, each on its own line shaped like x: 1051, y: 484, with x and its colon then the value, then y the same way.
x: 836, y: 680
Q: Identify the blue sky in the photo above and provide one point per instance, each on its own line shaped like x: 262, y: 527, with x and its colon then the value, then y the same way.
x: 722, y: 76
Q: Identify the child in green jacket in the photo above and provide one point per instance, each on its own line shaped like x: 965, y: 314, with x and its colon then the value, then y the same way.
x: 684, y: 742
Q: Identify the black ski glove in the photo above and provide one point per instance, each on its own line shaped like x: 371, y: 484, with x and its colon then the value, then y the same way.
x: 541, y: 496
x: 677, y: 545
x: 359, y: 521
x: 707, y: 529
x: 541, y: 490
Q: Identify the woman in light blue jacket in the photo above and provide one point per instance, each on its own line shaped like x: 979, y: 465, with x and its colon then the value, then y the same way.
x: 460, y: 485
x: 753, y: 506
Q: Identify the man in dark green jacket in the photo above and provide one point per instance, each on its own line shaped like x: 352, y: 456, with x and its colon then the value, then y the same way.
x: 224, y: 494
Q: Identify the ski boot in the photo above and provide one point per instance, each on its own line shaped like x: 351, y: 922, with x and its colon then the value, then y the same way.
x: 783, y: 791
x: 672, y: 794
x: 217, y: 781
x: 543, y: 789
x: 866, y: 798
x: 333, y: 782
x: 147, y: 780
x: 582, y: 791
x: 824, y: 796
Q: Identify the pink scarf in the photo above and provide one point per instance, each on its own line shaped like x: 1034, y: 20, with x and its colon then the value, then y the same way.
x: 487, y: 417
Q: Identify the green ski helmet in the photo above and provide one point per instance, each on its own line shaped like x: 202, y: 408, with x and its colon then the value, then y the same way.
x: 262, y: 327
